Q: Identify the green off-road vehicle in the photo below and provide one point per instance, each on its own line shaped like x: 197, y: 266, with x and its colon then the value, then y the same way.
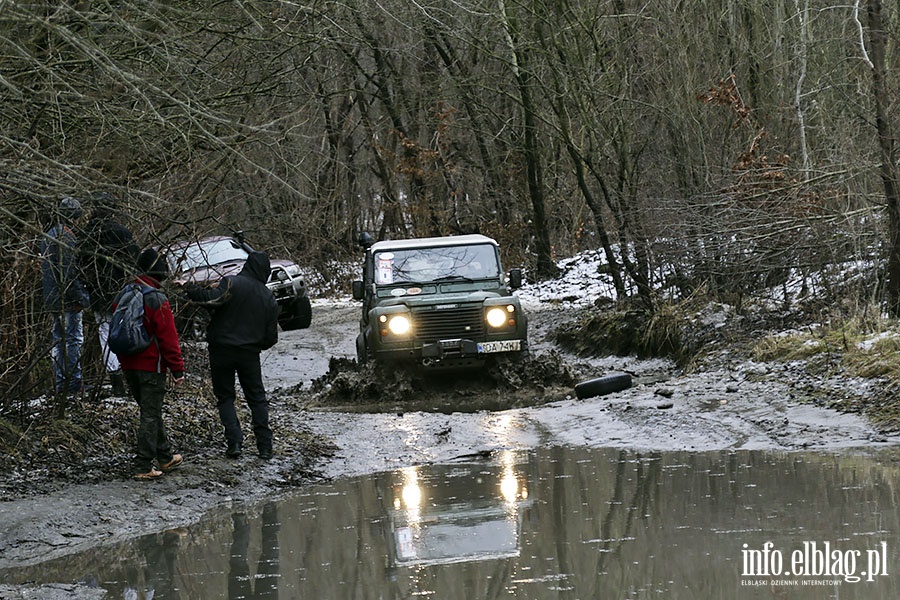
x: 440, y: 302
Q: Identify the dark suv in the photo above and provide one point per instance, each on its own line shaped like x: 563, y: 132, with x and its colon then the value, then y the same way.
x: 208, y: 260
x: 441, y: 302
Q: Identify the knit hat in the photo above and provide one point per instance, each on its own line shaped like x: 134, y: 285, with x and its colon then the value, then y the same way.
x: 151, y: 263
x: 69, y: 208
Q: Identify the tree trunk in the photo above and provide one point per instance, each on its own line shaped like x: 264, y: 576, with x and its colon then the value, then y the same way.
x: 520, y: 63
x: 888, y: 152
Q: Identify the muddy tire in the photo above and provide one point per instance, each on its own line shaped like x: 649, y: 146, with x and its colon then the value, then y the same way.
x: 603, y: 385
x: 362, y: 352
x: 298, y: 314
x: 190, y: 320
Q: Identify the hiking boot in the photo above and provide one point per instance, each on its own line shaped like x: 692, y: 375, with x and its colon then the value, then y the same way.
x: 233, y: 451
x: 265, y: 454
x: 173, y: 464
x: 117, y: 381
x: 151, y: 474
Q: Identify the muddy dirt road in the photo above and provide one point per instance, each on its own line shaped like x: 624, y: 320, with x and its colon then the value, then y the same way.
x: 733, y: 405
x: 740, y: 406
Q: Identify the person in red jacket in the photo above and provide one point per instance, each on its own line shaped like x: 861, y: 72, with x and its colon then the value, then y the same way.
x: 145, y: 373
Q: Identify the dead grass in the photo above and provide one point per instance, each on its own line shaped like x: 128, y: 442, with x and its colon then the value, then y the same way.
x: 861, y: 346
x: 866, y: 348
x: 622, y: 333
x: 670, y: 330
x: 789, y: 347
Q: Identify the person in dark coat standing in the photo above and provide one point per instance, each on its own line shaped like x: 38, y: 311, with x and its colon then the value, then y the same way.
x: 107, y: 249
x: 65, y: 296
x: 243, y: 322
x: 145, y: 373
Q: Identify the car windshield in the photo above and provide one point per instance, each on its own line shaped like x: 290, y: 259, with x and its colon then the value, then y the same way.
x: 202, y: 254
x: 446, y: 263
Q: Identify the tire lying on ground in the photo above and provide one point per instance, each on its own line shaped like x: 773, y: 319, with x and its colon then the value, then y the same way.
x: 616, y: 382
x: 296, y: 315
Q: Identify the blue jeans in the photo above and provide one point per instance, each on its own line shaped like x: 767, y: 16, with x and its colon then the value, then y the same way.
x: 68, y: 337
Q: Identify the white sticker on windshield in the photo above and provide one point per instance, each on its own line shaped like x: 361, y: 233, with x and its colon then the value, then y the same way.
x: 384, y: 271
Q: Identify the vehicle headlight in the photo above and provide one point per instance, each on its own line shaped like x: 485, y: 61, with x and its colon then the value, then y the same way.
x: 501, y: 316
x: 399, y: 325
x: 396, y: 324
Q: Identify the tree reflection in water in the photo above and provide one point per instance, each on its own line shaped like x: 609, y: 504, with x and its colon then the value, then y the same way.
x: 545, y: 524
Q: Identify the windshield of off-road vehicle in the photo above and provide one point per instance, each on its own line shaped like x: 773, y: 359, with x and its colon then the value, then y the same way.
x: 446, y: 263
x: 207, y: 253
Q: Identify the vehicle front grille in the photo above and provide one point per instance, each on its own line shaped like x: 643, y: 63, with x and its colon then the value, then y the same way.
x: 281, y: 292
x: 449, y: 323
x: 280, y: 289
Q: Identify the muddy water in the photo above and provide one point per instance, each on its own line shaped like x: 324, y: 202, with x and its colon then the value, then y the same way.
x: 550, y: 523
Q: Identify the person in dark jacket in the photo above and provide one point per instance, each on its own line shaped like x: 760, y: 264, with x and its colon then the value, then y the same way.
x: 145, y: 373
x: 108, y: 249
x: 243, y: 322
x: 65, y: 296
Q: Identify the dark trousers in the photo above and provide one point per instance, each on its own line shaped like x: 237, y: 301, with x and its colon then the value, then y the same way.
x: 152, y: 442
x: 224, y: 363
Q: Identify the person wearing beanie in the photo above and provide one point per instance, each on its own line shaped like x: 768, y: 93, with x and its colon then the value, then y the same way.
x: 65, y: 296
x: 107, y: 250
x: 146, y: 372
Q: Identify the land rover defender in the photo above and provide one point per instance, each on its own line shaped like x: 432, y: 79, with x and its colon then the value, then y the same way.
x: 441, y: 302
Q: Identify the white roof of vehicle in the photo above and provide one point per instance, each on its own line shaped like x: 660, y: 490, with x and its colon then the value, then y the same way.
x: 432, y: 242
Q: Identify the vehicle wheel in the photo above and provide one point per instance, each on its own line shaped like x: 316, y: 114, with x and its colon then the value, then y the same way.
x: 190, y: 321
x: 297, y: 314
x: 514, y: 358
x: 521, y: 356
x: 362, y: 353
x: 603, y: 385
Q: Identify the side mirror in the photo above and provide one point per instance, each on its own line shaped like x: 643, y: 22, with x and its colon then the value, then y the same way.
x: 359, y: 290
x: 515, y: 278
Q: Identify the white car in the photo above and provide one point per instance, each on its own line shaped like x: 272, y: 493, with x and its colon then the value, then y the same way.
x: 206, y: 261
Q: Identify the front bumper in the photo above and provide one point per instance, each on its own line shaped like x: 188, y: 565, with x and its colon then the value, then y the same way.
x: 468, y: 348
x: 446, y: 332
x: 452, y: 353
x: 286, y: 291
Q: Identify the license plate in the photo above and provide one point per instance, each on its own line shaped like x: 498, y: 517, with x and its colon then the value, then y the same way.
x: 504, y: 346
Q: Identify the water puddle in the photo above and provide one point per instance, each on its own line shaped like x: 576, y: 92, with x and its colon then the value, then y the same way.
x: 551, y: 523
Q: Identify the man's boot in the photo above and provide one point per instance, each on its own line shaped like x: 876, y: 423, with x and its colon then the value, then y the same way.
x: 118, y: 383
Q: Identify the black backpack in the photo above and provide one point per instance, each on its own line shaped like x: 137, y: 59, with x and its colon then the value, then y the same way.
x: 127, y: 334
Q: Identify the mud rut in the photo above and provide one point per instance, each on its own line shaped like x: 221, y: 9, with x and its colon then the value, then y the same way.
x: 340, y: 384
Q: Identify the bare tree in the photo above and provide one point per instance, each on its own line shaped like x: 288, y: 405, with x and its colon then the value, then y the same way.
x: 521, y: 65
x: 887, y: 145
x: 701, y: 144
